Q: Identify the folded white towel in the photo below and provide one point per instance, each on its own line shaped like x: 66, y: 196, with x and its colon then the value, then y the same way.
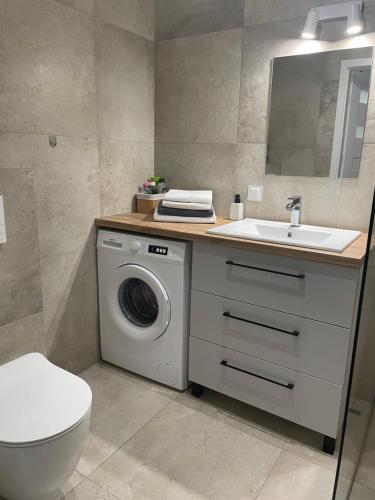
x: 187, y: 206
x: 191, y: 220
x: 187, y: 196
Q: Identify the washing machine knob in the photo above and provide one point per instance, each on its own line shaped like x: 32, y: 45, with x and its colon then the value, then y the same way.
x: 135, y: 246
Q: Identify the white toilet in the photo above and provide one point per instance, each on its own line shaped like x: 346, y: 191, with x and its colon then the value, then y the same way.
x: 44, y: 420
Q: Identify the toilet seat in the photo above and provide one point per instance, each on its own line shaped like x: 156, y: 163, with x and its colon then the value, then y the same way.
x: 39, y: 400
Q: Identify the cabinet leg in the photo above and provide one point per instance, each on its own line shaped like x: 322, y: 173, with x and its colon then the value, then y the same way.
x: 329, y: 445
x: 196, y: 390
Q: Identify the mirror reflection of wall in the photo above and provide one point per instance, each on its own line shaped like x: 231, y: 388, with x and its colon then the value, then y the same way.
x: 318, y: 112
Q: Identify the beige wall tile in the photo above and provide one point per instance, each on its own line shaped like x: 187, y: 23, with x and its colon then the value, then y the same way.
x: 67, y: 193
x: 22, y: 337
x: 199, y: 166
x: 250, y: 166
x: 58, y: 273
x: 177, y: 18
x: 125, y: 84
x: 19, y: 258
x: 197, y: 85
x: 137, y: 16
x: 260, y: 44
x: 320, y: 195
x: 71, y: 308
x: 33, y: 151
x: 320, y: 199
x: 123, y: 167
x: 356, y: 195
x: 47, y: 69
x: 83, y: 5
x: 66, y: 183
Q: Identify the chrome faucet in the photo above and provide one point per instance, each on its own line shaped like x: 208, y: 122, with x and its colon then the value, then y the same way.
x: 295, y: 207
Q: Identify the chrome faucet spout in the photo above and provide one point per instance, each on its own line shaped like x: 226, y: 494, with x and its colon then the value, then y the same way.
x: 295, y: 207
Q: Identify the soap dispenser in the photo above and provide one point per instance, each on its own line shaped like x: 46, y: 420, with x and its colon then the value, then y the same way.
x: 236, y: 208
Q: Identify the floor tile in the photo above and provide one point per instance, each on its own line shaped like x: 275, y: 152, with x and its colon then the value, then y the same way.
x: 187, y: 453
x: 361, y: 492
x: 294, y: 478
x: 265, y: 426
x: 366, y: 468
x: 355, y: 436
x: 122, y: 404
x: 270, y: 428
x: 74, y: 481
x: 89, y: 491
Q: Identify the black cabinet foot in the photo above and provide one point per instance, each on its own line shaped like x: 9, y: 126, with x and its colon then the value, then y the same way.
x: 329, y: 445
x: 196, y: 390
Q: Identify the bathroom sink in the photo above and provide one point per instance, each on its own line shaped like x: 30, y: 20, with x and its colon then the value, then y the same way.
x: 321, y: 238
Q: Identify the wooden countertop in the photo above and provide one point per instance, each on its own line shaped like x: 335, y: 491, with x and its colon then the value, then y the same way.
x: 353, y: 256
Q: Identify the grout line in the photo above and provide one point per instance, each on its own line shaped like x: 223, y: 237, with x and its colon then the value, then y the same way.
x: 362, y: 482
x: 74, y: 8
x: 127, y: 141
x: 127, y: 440
x: 19, y: 320
x: 96, y: 19
x: 46, y: 134
x: 76, y: 486
x: 95, y: 484
x: 269, y: 474
x: 196, y: 35
x: 192, y: 143
x: 97, y: 139
x: 99, y: 183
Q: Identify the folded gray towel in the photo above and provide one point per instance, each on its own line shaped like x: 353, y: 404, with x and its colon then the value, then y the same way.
x: 179, y: 212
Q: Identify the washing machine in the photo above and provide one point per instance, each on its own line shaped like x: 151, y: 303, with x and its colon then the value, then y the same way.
x: 144, y: 298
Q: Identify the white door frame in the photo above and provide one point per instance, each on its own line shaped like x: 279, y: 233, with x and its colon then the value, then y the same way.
x: 346, y: 66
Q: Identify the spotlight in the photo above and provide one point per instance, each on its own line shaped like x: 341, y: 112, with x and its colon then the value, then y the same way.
x: 351, y: 11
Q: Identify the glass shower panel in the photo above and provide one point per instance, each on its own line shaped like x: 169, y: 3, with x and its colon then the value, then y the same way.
x: 355, y: 462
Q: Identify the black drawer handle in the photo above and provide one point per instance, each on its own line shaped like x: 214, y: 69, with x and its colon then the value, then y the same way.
x: 300, y: 276
x: 287, y: 386
x: 295, y: 333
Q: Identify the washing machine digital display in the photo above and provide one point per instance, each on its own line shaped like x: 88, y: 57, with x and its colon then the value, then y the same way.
x: 158, y: 250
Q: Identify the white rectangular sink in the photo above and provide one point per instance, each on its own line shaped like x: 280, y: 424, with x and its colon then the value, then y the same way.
x: 321, y: 238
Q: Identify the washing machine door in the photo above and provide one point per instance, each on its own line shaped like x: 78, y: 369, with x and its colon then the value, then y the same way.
x: 142, y: 304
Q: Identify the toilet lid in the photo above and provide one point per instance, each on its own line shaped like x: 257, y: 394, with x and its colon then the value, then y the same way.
x: 39, y: 400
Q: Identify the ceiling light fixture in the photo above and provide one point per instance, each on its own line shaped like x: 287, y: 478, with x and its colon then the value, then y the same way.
x: 352, y: 11
x: 311, y: 25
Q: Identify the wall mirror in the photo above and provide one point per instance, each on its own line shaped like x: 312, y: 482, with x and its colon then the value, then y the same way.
x: 317, y: 113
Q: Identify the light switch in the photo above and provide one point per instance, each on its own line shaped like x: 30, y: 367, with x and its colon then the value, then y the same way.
x: 255, y: 193
x: 3, y: 236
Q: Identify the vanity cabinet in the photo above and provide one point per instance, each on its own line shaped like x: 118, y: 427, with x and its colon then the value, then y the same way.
x: 273, y: 331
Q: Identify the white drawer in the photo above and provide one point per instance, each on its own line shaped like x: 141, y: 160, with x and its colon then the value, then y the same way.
x: 309, y: 289
x: 311, y: 347
x: 310, y: 402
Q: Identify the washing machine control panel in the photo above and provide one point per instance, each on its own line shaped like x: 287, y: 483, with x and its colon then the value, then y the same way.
x: 159, y: 250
